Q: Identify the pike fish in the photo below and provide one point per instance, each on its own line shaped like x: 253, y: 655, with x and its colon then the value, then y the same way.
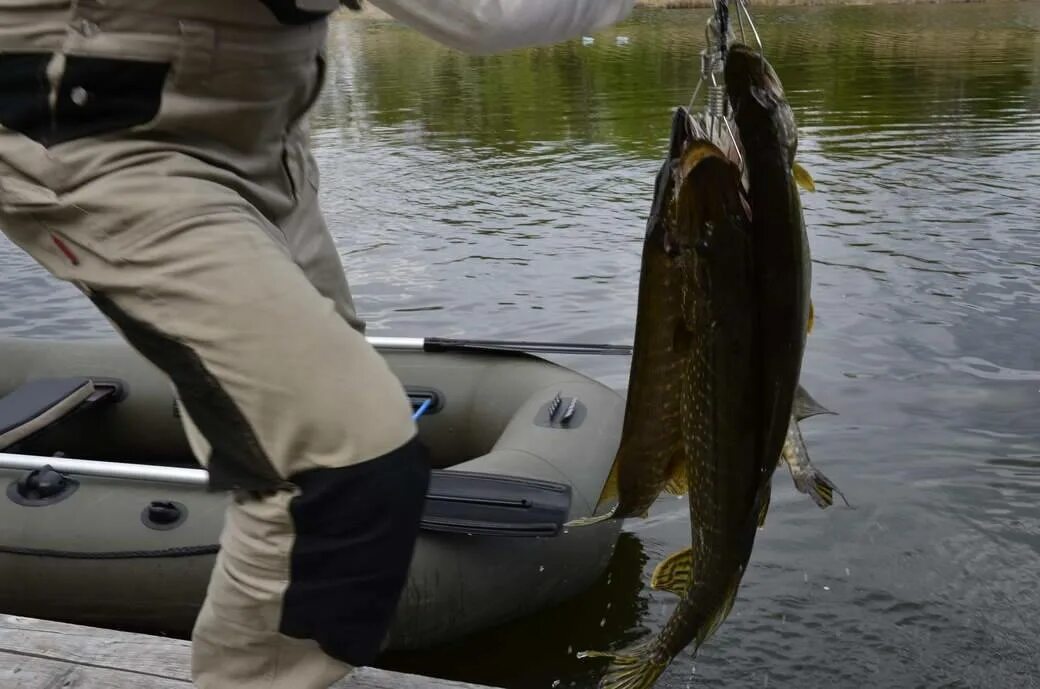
x: 769, y: 139
x: 769, y: 134
x: 739, y: 271
x: 650, y: 457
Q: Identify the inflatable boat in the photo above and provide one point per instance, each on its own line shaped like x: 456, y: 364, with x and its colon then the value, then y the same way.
x: 106, y: 518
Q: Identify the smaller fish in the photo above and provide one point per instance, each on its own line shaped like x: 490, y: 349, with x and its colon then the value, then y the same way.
x: 807, y: 478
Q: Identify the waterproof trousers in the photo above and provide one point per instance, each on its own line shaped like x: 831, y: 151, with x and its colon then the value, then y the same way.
x: 155, y: 154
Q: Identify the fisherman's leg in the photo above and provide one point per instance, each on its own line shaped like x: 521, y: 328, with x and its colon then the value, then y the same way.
x: 281, y: 387
x: 306, y: 233
x: 184, y: 260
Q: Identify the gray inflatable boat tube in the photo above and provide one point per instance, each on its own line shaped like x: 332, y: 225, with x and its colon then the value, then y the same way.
x: 123, y: 532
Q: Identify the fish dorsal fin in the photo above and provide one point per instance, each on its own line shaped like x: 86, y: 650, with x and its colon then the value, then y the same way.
x: 674, y: 573
x: 803, y: 178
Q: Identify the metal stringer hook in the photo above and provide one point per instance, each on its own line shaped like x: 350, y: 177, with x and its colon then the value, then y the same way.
x: 713, y: 121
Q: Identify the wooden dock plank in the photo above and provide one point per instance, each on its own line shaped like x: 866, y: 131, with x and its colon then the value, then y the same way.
x: 27, y: 672
x: 41, y: 654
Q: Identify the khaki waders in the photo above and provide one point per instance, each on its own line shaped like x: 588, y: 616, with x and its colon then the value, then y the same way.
x: 154, y: 153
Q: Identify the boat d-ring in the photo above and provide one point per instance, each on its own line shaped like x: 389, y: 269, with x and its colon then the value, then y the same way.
x: 41, y: 487
x: 163, y: 515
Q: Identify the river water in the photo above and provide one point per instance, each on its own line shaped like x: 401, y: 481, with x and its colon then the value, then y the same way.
x: 506, y: 197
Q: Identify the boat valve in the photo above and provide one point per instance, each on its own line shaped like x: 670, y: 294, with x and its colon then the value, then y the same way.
x: 43, y: 486
x: 163, y: 514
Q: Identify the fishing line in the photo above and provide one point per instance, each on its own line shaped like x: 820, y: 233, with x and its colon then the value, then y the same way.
x: 722, y: 19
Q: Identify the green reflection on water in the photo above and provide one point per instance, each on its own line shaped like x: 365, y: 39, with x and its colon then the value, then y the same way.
x: 868, y: 67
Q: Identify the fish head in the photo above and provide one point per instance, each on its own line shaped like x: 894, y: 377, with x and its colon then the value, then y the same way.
x: 757, y: 98
x: 683, y: 238
x: 669, y: 228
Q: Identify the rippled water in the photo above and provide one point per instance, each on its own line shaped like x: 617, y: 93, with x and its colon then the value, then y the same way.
x: 506, y: 197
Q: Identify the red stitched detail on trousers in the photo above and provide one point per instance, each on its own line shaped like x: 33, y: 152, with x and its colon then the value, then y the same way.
x: 64, y: 248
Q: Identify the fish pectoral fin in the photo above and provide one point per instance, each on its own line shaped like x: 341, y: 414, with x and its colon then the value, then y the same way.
x: 805, y: 406
x: 809, y: 322
x: 803, y: 178
x: 675, y: 573
x: 629, y: 669
x: 588, y: 521
x: 676, y: 486
x: 677, y: 483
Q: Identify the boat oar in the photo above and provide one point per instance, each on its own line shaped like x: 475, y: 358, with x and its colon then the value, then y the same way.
x: 444, y: 344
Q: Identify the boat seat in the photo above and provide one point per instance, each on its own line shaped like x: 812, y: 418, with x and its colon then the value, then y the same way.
x: 43, y: 402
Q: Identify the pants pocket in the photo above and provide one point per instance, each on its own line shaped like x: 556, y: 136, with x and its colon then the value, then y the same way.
x: 100, y: 95
x: 96, y: 95
x: 23, y: 94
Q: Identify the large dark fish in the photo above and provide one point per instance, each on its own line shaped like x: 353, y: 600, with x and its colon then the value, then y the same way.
x: 744, y: 292
x: 769, y: 139
x: 769, y: 135
x: 722, y: 424
x: 651, y: 458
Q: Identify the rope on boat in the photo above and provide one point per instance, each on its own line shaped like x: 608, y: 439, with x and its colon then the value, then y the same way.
x: 183, y: 551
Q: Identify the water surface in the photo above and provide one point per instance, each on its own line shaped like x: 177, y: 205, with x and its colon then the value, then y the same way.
x: 506, y: 197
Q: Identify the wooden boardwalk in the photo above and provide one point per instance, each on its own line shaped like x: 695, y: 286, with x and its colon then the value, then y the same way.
x: 38, y: 654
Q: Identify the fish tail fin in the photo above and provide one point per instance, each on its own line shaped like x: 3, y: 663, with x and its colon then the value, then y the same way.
x: 807, y: 478
x: 818, y: 487
x: 632, y: 668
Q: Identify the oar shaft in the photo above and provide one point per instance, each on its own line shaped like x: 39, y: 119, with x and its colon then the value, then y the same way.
x: 183, y: 476
x: 408, y: 343
x: 442, y: 344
